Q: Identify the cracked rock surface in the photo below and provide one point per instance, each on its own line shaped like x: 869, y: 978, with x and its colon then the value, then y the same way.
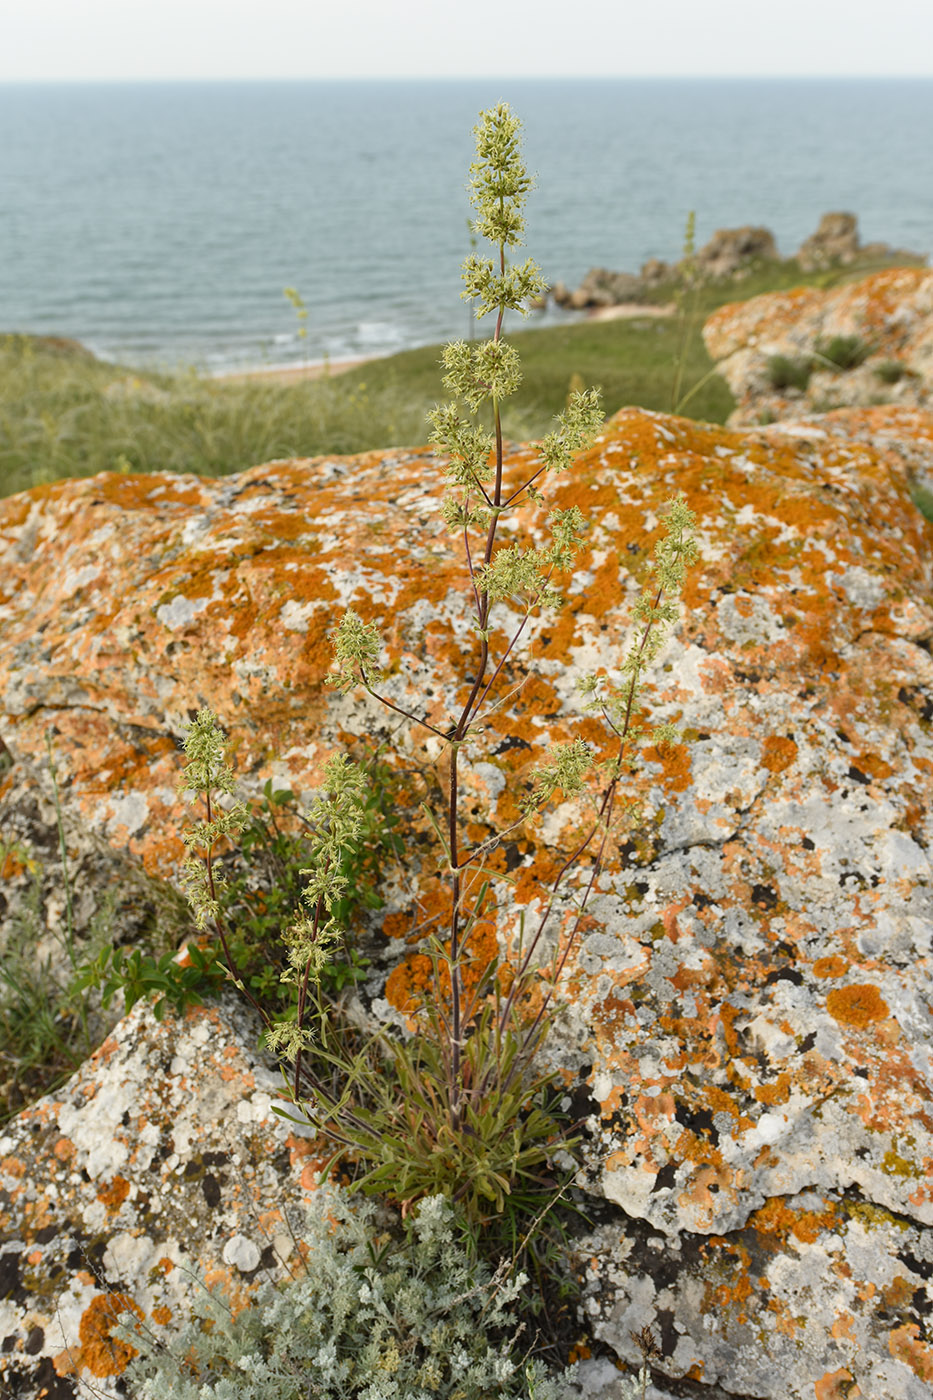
x: 747, y: 1015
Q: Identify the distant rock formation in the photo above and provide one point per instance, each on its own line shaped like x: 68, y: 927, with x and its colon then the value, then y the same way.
x: 731, y: 253
x: 746, y: 1018
x: 809, y: 350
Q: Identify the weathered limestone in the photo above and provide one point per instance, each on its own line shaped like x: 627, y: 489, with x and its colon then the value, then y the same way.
x: 887, y: 320
x: 162, y: 1157
x: 747, y: 1016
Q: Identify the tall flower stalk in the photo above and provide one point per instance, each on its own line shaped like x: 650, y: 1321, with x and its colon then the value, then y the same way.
x: 459, y: 1107
x: 468, y: 429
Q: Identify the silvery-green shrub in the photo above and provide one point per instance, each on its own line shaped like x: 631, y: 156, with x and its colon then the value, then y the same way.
x: 372, y: 1317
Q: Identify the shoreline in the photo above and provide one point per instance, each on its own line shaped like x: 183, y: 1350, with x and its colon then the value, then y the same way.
x: 321, y: 369
x: 293, y: 374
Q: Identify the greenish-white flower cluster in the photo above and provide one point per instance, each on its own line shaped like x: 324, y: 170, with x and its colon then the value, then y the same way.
x: 490, y: 372
x: 207, y: 774
x: 336, y: 818
x: 374, y: 1317
x: 357, y: 645
x: 526, y: 573
x: 564, y: 770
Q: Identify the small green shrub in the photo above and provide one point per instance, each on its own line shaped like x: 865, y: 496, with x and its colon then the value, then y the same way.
x: 785, y: 372
x: 923, y: 500
x: 841, y: 352
x: 376, y: 1315
x: 890, y: 371
x: 262, y: 883
x: 42, y: 1038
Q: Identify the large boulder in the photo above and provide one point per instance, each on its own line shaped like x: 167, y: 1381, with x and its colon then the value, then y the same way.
x: 809, y: 350
x: 600, y: 287
x: 733, y: 252
x: 746, y: 1017
x: 730, y: 253
x: 835, y: 242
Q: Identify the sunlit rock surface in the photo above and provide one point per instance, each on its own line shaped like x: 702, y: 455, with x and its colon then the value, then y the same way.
x: 888, y: 316
x: 748, y: 1012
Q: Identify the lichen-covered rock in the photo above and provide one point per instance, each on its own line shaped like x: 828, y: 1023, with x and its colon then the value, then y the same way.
x: 778, y: 352
x: 162, y: 1156
x: 748, y: 1007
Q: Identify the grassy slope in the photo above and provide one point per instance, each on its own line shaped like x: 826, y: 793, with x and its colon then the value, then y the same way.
x: 64, y: 414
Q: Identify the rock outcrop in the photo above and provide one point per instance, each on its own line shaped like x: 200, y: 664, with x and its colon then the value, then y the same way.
x: 731, y: 255
x: 808, y: 350
x: 732, y: 252
x: 835, y: 243
x: 747, y: 1017
x: 600, y: 287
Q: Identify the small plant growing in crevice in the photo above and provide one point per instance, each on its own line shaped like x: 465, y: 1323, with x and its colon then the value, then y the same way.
x: 459, y: 1106
x: 787, y: 372
x: 259, y: 882
x: 841, y: 352
x: 462, y: 1108
x: 891, y: 371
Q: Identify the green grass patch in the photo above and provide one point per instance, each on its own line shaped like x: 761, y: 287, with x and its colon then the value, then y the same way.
x: 65, y: 414
x: 842, y: 352
x: 787, y: 373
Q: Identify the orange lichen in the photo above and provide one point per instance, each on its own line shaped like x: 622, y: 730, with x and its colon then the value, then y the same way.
x: 778, y: 753
x: 777, y: 1092
x: 843, y: 1329
x: 905, y: 1345
x: 114, y: 1193
x: 856, y: 1005
x: 162, y: 1315
x: 10, y: 865
x: 413, y: 979
x: 874, y: 765
x: 837, y: 1385
x: 409, y: 982
x: 777, y: 1221
x: 102, y: 1354
x: 833, y: 966
x: 897, y: 1293
x: 397, y: 925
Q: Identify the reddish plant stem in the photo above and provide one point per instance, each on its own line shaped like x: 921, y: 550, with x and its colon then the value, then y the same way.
x: 232, y: 968
x: 604, y: 818
x: 456, y: 986
x: 303, y: 994
x: 406, y: 714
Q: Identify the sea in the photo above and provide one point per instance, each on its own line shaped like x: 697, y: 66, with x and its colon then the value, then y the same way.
x: 160, y: 223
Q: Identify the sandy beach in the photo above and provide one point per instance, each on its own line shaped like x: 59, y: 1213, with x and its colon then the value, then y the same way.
x: 291, y: 374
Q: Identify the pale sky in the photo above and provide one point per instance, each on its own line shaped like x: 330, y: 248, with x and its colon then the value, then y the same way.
x: 145, y: 39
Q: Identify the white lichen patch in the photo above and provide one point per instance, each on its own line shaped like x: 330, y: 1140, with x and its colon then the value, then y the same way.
x: 180, y: 612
